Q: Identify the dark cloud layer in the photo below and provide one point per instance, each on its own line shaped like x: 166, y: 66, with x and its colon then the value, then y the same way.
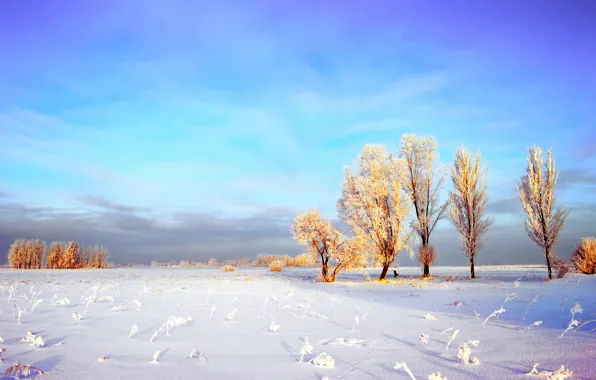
x: 136, y: 237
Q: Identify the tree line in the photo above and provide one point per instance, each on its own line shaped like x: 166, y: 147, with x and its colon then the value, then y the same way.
x: 29, y: 254
x: 391, y: 202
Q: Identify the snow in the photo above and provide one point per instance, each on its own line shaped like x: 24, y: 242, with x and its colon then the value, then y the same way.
x: 254, y: 324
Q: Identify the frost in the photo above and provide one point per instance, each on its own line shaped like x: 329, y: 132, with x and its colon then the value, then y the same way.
x: 348, y: 342
x: 133, y: 331
x: 323, y: 360
x: 495, y: 313
x: 61, y: 302
x: 561, y: 374
x: 35, y: 340
x: 430, y: 317
x: 405, y: 367
x: 451, y: 338
x: 306, y: 349
x: 156, y: 356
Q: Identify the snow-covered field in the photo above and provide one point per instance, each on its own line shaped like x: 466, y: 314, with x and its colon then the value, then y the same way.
x: 252, y: 324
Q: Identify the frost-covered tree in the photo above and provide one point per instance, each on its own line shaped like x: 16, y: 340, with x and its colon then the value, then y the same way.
x: 324, y: 240
x: 54, y: 257
x: 99, y: 257
x: 536, y: 192
x: 70, y: 255
x: 468, y: 201
x: 16, y: 254
x: 40, y: 250
x: 422, y: 182
x: 375, y: 206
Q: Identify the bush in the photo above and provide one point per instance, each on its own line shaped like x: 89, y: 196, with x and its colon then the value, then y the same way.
x: 584, y: 256
x: 228, y: 268
x: 276, y: 266
x: 561, y: 265
x: 212, y: 263
x: 304, y: 260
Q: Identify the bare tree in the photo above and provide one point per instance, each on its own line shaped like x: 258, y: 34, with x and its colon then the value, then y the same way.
x: 375, y: 206
x: 537, y: 194
x: 324, y: 240
x: 468, y: 201
x: 422, y: 183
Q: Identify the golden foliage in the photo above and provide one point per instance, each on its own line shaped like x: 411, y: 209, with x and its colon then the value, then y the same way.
x: 54, y: 257
x: 536, y: 192
x: 303, y: 260
x: 374, y: 205
x: 422, y: 183
x: 26, y: 254
x: 70, y: 256
x: 228, y: 268
x: 29, y: 254
x: 324, y: 240
x: 468, y: 201
x: 276, y: 266
x: 584, y: 256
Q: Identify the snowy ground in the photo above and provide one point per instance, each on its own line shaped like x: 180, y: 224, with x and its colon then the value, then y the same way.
x: 365, y: 326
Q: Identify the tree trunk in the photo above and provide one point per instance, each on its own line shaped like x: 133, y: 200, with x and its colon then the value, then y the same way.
x: 384, y: 272
x: 472, y: 272
x: 323, y: 269
x: 426, y: 271
x: 550, y: 271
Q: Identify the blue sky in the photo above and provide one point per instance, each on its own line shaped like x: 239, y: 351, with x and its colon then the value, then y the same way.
x: 236, y: 110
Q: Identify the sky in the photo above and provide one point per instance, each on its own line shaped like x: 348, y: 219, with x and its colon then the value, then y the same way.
x: 189, y: 130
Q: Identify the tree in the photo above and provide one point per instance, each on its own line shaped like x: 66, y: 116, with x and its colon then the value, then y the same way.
x: 54, y: 257
x: 16, y: 254
x: 374, y: 205
x: 537, y: 194
x: 40, y: 250
x: 324, y: 240
x: 70, y: 255
x: 420, y: 182
x: 99, y: 257
x: 468, y: 201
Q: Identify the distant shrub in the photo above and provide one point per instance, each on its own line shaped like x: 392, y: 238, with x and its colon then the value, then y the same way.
x: 191, y: 264
x: 228, y: 268
x: 212, y: 263
x: 276, y: 266
x: 561, y: 265
x: 304, y: 260
x: 243, y: 262
x: 584, y: 256
x: 264, y: 260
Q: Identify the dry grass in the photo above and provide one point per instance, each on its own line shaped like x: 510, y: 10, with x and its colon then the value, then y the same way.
x: 584, y: 256
x: 228, y: 268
